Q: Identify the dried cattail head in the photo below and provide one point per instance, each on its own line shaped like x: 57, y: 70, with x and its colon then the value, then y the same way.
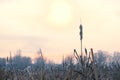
x: 86, y: 51
x: 81, y: 32
x: 76, y: 54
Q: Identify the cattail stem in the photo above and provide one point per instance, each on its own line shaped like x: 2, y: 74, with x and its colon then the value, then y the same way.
x: 81, y: 49
x: 95, y: 71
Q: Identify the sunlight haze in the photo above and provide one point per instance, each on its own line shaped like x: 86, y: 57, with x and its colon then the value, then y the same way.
x: 53, y: 26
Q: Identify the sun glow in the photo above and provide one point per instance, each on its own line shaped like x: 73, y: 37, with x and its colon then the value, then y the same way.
x: 60, y: 13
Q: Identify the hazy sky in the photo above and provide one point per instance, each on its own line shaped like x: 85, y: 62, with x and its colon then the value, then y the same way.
x: 53, y: 26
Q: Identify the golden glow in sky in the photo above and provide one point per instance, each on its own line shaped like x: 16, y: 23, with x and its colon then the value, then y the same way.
x: 60, y: 13
x: 53, y: 26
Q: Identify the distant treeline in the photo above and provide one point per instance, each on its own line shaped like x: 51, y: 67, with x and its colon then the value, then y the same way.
x: 71, y: 68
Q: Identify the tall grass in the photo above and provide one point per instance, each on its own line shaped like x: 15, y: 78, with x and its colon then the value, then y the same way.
x: 75, y: 67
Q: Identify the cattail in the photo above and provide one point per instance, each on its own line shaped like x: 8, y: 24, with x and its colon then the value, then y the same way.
x: 81, y: 37
x: 95, y: 72
x: 76, y: 54
x: 86, y: 51
x: 81, y: 32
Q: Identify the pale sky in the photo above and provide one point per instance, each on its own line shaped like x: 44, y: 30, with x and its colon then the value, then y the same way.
x: 53, y: 26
